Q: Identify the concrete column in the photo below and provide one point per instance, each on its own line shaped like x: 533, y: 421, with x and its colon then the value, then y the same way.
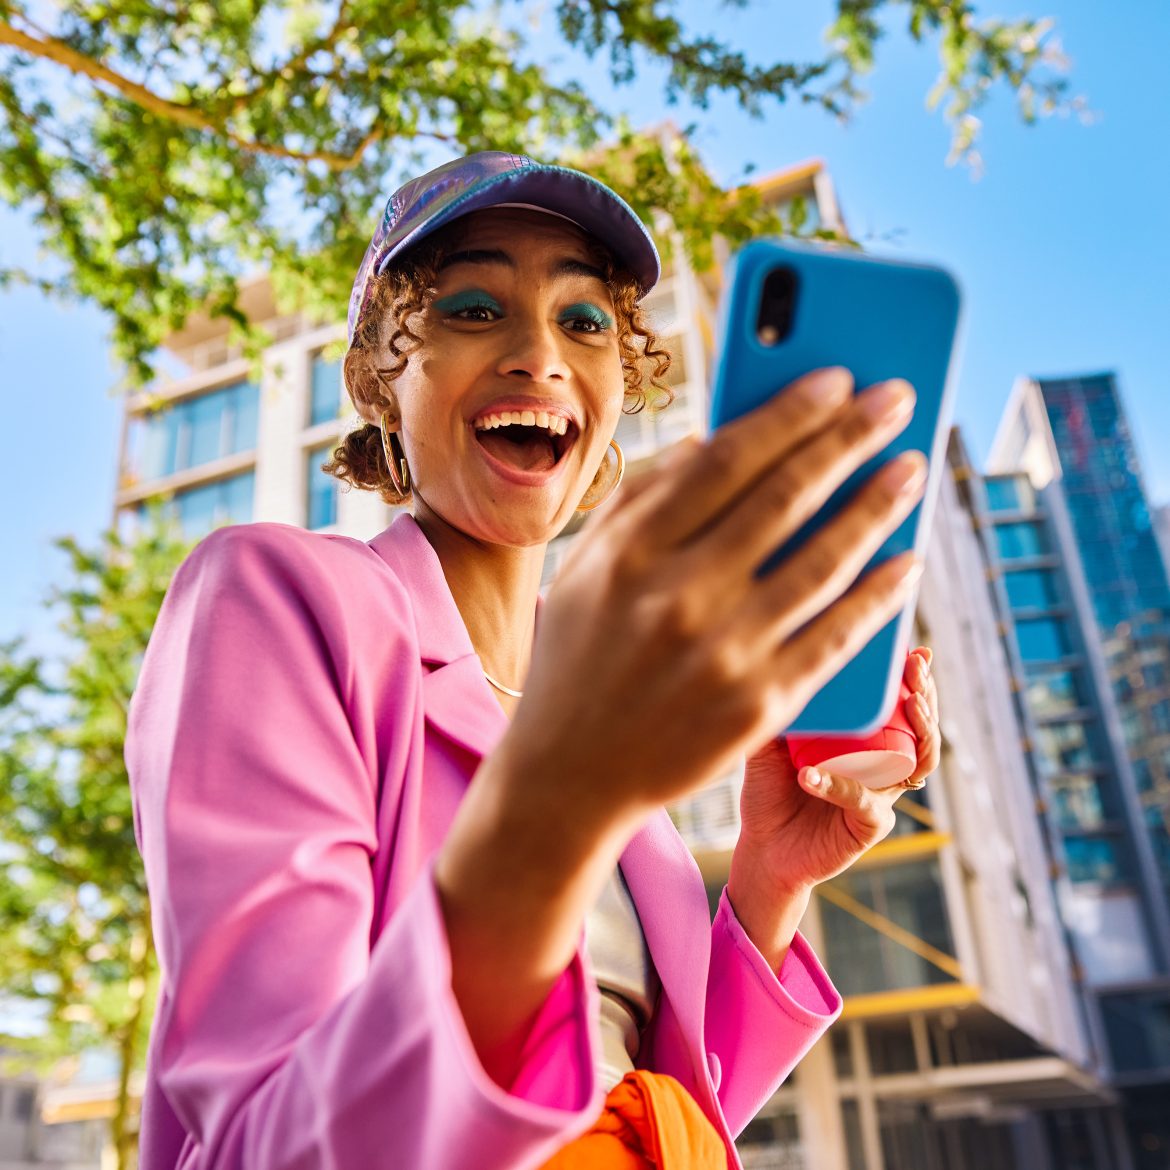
x: 822, y: 1137
x: 871, y: 1139
x: 280, y: 458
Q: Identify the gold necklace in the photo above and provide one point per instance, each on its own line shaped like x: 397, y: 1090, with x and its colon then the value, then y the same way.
x: 500, y: 687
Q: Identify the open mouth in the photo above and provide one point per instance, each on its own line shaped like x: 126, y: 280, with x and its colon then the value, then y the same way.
x: 525, y: 440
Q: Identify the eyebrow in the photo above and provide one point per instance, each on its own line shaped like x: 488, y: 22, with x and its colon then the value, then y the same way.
x: 565, y: 267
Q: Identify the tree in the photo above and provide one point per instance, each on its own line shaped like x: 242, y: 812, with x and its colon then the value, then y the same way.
x: 164, y: 148
x: 75, y: 940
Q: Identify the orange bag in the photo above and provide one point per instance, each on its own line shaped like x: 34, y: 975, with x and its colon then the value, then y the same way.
x: 649, y: 1122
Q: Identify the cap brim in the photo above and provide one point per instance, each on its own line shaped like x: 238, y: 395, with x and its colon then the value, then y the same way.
x: 574, y: 195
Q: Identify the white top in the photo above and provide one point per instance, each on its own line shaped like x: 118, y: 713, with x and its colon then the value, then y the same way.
x: 629, y: 985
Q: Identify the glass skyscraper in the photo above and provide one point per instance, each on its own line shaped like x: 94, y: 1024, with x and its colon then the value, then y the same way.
x: 1083, y: 584
x: 1107, y: 503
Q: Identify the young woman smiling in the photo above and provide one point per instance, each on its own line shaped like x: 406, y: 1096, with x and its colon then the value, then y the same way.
x: 383, y: 792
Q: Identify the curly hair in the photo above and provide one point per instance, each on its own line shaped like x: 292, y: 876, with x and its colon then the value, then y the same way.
x: 407, y: 289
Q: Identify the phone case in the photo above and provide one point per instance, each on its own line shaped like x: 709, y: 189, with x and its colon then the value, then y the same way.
x: 880, y: 319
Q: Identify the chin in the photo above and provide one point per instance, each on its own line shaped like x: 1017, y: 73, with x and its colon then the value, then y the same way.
x: 522, y: 528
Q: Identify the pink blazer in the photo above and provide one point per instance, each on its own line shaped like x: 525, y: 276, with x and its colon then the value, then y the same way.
x: 309, y: 715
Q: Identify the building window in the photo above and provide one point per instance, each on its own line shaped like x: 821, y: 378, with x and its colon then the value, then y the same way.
x: 1095, y: 859
x: 1055, y: 692
x: 1077, y: 801
x: 1019, y: 541
x: 1014, y: 494
x: 1031, y: 589
x: 866, y: 960
x: 1160, y: 717
x: 1067, y: 747
x: 1042, y: 640
x: 194, y: 431
x: 1143, y: 775
x: 322, y: 489
x: 324, y: 390
x: 202, y: 508
x: 1138, y: 1027
x: 24, y: 1104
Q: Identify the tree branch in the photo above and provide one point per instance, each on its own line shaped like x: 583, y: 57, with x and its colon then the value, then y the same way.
x: 298, y: 60
x: 52, y: 49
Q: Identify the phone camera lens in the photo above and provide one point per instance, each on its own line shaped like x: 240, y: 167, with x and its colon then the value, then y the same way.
x: 777, y: 306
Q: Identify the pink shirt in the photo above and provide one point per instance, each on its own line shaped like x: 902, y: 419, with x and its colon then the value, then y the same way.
x: 309, y: 715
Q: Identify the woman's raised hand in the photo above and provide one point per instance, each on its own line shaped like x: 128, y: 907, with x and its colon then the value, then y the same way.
x: 661, y: 657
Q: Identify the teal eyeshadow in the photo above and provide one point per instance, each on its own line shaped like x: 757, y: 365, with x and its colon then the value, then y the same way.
x: 585, y: 309
x: 471, y: 298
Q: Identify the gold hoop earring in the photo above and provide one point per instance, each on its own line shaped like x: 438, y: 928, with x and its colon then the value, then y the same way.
x: 395, y: 460
x: 587, y: 503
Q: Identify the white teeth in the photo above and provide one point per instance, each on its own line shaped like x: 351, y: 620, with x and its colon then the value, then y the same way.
x: 553, y: 423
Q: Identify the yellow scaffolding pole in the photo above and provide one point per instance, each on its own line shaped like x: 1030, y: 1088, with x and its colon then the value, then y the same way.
x: 895, y: 933
x: 933, y: 997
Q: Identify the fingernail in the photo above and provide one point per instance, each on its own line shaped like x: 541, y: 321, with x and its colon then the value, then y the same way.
x: 888, y: 400
x: 828, y: 386
x: 905, y: 474
x: 906, y: 568
x: 813, y: 778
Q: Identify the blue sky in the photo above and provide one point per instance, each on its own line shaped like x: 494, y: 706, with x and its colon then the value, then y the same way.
x: 1061, y: 249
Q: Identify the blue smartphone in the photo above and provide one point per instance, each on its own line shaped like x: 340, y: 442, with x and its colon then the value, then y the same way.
x: 789, y: 308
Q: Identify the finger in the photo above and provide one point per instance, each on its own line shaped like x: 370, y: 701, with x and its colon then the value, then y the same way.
x: 822, y: 569
x: 778, y: 505
x: 931, y: 693
x: 875, y: 817
x: 809, y: 659
x: 738, y: 454
x: 929, y: 742
x: 915, y: 674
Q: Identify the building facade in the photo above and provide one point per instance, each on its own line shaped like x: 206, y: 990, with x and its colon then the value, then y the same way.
x: 1086, y: 597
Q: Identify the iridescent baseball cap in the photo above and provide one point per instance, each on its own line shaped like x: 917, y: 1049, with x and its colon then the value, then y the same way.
x: 493, y: 178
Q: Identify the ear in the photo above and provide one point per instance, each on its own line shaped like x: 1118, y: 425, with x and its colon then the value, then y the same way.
x: 366, y: 387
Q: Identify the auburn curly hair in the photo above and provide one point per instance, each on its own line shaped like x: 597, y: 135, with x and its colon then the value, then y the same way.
x: 407, y: 289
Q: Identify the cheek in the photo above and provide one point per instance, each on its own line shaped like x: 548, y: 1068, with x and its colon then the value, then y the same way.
x: 609, y: 378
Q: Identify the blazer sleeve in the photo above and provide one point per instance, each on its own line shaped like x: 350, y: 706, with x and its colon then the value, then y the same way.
x: 759, y: 1024
x: 282, y: 1039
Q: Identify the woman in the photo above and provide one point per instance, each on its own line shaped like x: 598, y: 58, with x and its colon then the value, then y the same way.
x: 370, y: 858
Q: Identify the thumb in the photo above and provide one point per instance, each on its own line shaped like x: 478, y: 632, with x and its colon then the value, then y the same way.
x: 869, y: 819
x: 843, y: 791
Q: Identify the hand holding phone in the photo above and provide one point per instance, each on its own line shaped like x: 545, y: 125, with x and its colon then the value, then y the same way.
x: 791, y: 308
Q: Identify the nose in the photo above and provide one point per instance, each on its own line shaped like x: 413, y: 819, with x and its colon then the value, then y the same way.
x: 533, y: 351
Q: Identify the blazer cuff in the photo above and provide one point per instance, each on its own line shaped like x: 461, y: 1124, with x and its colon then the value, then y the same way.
x: 802, y: 988
x: 555, y: 1083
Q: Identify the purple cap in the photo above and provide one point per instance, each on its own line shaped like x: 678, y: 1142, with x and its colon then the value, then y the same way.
x: 489, y: 179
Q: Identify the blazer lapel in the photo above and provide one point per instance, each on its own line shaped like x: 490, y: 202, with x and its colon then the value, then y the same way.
x: 671, y: 899
x: 457, y: 699
x: 458, y: 702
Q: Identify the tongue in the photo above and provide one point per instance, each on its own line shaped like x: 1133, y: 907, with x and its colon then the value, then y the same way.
x: 533, y: 453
